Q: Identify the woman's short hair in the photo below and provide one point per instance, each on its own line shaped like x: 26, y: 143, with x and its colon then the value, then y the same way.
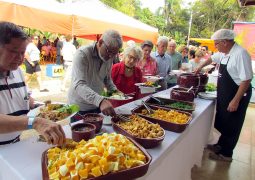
x: 199, y: 53
x: 137, y: 50
x: 192, y: 53
x: 183, y: 47
x: 147, y: 43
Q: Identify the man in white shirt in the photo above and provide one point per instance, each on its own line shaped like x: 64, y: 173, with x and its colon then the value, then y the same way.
x: 32, y: 58
x: 68, y: 52
x: 233, y: 92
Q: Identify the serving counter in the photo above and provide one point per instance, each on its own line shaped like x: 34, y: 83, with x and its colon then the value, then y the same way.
x: 173, y: 159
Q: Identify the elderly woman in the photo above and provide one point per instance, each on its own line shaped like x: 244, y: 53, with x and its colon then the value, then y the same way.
x: 125, y: 74
x: 198, y: 60
x: 184, y: 52
x: 148, y: 64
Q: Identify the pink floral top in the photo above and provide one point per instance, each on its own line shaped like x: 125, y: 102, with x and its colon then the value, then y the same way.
x: 149, y: 68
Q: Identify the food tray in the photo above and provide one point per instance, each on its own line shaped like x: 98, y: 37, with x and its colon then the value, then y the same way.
x: 178, y: 128
x: 36, y: 111
x: 165, y: 101
x: 127, y: 174
x: 146, y: 143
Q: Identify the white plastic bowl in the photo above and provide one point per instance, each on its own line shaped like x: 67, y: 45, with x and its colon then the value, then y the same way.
x: 152, y: 78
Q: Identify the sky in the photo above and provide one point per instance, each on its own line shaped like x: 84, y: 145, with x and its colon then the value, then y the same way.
x: 153, y: 5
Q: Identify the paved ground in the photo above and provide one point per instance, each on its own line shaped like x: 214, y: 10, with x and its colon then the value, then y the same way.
x: 52, y: 84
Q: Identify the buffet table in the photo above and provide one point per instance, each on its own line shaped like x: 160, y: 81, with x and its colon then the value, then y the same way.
x: 173, y: 159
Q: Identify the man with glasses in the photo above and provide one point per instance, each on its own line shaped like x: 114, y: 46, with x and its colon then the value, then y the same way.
x: 233, y: 92
x: 14, y: 99
x: 91, y: 73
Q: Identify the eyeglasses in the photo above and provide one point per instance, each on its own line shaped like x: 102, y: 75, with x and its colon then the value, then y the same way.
x: 133, y: 58
x: 216, y: 43
x: 112, y: 53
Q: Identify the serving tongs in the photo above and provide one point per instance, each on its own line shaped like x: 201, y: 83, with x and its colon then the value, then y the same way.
x: 123, y: 118
x: 150, y: 111
x: 158, y: 100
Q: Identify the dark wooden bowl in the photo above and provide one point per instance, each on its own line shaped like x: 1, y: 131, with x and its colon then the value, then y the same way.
x: 191, y: 79
x: 182, y: 94
x: 127, y: 174
x: 145, y: 142
x: 165, y: 102
x: 164, y: 124
x: 94, y: 118
x: 78, y: 135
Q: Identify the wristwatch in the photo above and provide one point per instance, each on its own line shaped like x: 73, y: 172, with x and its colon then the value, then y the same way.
x: 30, y: 122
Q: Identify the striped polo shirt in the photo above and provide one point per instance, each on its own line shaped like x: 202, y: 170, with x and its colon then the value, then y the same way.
x: 14, y: 98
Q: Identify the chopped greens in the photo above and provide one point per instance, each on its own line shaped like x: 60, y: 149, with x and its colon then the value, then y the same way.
x: 180, y: 105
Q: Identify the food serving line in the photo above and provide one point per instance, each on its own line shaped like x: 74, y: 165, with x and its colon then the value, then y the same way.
x: 173, y: 159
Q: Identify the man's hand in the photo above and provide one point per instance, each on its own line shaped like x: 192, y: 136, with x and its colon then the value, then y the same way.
x: 51, y: 131
x: 32, y: 64
x: 106, y: 108
x: 233, y: 105
x: 197, y: 70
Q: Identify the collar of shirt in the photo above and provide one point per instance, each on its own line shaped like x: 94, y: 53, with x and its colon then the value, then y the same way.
x: 9, y: 74
x: 122, y: 70
x: 94, y: 50
x: 232, y: 50
x: 157, y: 54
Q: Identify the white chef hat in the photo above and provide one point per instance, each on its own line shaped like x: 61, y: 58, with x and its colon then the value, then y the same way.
x: 131, y: 43
x: 223, y: 34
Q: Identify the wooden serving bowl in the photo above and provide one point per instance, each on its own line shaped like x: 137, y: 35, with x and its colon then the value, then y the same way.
x: 82, y: 131
x: 147, y: 143
x: 182, y: 94
x: 94, y: 118
x: 127, y: 174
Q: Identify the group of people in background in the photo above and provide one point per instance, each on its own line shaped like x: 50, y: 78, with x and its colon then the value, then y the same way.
x: 61, y: 51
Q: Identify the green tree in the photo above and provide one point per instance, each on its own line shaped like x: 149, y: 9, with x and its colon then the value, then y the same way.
x: 211, y: 15
x: 126, y: 6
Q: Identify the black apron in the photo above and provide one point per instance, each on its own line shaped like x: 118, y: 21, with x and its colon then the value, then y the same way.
x: 229, y: 124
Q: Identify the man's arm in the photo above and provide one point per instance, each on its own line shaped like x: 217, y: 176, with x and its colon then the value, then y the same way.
x: 81, y: 75
x: 234, y: 103
x: 27, y: 57
x: 205, y: 63
x: 51, y: 131
x: 81, y: 68
x: 109, y: 82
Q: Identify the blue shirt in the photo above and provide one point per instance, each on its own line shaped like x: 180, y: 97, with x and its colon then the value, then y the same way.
x: 164, y: 64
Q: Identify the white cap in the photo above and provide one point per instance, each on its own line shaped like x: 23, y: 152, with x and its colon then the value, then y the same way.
x: 130, y: 43
x: 223, y: 34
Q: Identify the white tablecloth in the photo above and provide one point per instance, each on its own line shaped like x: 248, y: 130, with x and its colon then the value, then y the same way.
x: 173, y: 159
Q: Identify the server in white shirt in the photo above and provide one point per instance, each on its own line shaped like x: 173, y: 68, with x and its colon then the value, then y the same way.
x: 233, y: 92
x: 14, y: 99
x: 32, y: 59
x: 68, y: 52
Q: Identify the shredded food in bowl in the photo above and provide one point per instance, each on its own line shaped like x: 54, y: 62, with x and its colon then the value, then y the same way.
x: 141, y: 128
x: 169, y: 116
